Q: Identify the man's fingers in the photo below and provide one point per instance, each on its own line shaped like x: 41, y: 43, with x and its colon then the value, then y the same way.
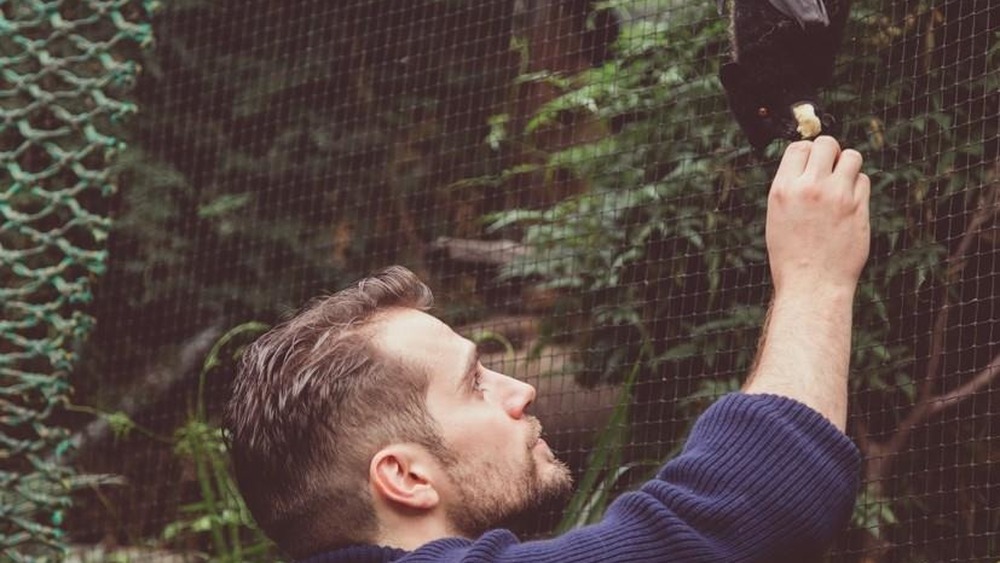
x: 862, y: 189
x: 849, y: 164
x: 824, y: 153
x: 794, y: 162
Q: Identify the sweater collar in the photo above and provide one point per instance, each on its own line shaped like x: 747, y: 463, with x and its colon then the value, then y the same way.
x: 358, y: 554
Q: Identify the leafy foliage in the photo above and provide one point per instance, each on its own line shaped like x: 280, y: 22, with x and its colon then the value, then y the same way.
x: 220, y: 512
x: 218, y: 522
x: 669, y: 203
x: 268, y: 171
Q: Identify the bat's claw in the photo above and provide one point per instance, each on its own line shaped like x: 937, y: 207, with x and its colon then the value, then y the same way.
x: 830, y: 125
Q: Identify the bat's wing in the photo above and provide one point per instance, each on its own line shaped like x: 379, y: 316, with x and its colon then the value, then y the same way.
x: 806, y: 12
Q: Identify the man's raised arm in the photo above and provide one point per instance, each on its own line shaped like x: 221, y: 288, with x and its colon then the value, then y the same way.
x: 817, y: 241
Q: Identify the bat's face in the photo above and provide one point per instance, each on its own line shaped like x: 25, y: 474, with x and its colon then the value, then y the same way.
x: 765, y: 114
x: 763, y: 122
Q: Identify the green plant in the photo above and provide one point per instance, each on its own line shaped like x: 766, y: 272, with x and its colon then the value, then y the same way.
x: 220, y: 512
x: 605, y: 465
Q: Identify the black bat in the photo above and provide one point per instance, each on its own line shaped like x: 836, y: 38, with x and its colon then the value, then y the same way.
x: 783, y: 53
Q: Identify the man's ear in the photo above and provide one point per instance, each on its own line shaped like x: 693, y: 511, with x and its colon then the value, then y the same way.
x: 404, y: 474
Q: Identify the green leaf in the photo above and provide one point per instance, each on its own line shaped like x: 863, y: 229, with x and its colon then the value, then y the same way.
x: 224, y: 205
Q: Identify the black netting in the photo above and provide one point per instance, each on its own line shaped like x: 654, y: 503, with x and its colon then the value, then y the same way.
x: 567, y: 177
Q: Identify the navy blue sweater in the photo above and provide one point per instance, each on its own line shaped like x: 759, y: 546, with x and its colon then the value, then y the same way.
x: 761, y: 478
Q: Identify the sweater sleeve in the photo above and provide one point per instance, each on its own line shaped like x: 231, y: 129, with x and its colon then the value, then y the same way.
x: 761, y: 478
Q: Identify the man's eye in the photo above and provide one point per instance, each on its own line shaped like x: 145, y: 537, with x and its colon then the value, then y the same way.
x: 477, y: 381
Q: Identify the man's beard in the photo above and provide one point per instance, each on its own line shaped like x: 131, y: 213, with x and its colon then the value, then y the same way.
x: 489, y: 495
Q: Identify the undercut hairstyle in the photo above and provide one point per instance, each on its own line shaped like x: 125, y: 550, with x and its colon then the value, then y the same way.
x: 313, y: 401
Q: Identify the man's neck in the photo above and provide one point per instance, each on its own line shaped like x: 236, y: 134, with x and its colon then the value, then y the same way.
x: 409, y: 533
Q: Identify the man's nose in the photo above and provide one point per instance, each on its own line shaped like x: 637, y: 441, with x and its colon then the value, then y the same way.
x: 517, y: 396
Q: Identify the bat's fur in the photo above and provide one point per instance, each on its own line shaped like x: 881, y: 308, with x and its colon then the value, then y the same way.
x: 776, y: 64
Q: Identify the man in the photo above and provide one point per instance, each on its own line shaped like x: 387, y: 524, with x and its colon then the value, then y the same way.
x: 364, y: 429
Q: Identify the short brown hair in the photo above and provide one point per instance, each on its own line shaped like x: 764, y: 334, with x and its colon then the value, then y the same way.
x: 313, y: 401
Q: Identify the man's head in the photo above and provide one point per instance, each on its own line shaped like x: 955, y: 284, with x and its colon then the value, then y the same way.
x: 363, y: 419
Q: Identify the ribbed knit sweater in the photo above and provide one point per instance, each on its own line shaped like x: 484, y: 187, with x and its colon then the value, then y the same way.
x: 760, y: 478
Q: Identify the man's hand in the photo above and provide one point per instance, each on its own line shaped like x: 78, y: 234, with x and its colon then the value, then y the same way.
x: 817, y: 241
x: 817, y: 219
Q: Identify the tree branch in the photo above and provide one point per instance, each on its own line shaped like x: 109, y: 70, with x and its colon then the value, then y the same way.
x: 928, y: 402
x: 969, y: 388
x: 491, y: 252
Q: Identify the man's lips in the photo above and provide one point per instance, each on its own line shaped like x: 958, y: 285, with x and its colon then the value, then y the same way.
x: 536, y: 433
x: 543, y: 447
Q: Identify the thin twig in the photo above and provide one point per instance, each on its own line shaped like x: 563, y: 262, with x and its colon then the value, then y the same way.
x: 983, y: 378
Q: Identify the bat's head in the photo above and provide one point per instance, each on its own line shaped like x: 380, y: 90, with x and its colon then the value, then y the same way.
x: 766, y: 111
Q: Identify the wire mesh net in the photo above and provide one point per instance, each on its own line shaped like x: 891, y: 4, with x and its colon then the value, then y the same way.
x: 565, y: 175
x: 63, y: 71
